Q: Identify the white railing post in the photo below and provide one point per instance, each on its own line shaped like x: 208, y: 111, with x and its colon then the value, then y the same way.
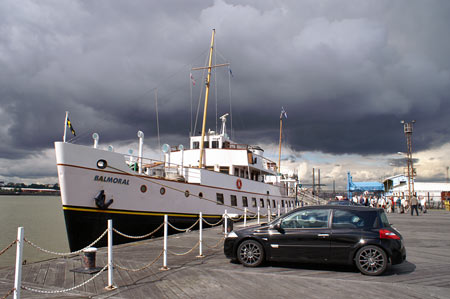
x: 200, y: 233
x: 245, y: 217
x: 226, y: 222
x: 278, y: 208
x: 164, y: 267
x: 285, y: 208
x: 18, y: 274
x: 268, y: 214
x: 258, y: 215
x: 110, y: 255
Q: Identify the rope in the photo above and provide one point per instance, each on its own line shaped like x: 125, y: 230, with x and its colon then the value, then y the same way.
x: 217, y: 244
x: 212, y: 224
x: 66, y: 253
x: 185, y: 229
x: 189, y: 251
x: 237, y: 219
x: 138, y: 237
x: 140, y: 269
x: 8, y: 247
x: 9, y: 293
x: 66, y: 290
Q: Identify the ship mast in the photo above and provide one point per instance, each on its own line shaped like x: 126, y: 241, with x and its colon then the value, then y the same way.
x: 208, y: 78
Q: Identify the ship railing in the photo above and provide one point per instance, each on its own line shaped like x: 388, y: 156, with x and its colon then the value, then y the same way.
x: 110, y: 265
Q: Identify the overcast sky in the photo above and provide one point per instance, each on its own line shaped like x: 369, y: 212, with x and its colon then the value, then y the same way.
x: 346, y: 72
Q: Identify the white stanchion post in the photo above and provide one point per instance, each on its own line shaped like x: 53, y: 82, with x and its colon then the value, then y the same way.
x: 200, y: 233
x: 285, y: 208
x: 226, y: 222
x: 166, y: 221
x: 18, y: 273
x: 269, y: 214
x: 245, y: 217
x: 278, y: 208
x: 258, y: 214
x: 110, y: 256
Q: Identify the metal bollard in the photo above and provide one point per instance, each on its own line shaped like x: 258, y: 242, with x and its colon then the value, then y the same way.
x: 89, y: 258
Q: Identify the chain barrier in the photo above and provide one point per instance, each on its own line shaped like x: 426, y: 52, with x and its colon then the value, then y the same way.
x: 9, y: 293
x: 140, y: 269
x: 66, y: 290
x: 184, y: 229
x: 65, y: 253
x: 8, y: 247
x: 138, y: 237
x: 217, y: 244
x: 237, y: 219
x: 187, y: 252
x: 213, y: 224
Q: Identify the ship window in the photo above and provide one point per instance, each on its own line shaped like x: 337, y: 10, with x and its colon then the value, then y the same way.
x: 200, y: 194
x: 274, y: 204
x: 206, y: 144
x: 261, y: 202
x: 233, y: 200
x: 215, y: 144
x: 244, y: 201
x: 254, y: 204
x: 268, y: 203
x: 236, y: 171
x: 282, y: 203
x: 219, y: 198
x: 196, y: 145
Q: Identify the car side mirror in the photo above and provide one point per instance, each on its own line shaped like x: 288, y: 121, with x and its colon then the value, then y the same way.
x: 277, y: 226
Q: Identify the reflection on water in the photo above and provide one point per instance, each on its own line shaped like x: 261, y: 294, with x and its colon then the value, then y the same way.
x: 43, y: 221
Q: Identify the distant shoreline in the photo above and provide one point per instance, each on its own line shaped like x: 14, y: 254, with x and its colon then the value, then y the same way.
x: 44, y: 193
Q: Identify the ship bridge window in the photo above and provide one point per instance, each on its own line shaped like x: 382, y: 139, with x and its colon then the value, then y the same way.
x: 215, y: 144
x: 244, y: 201
x: 233, y: 200
x: 219, y: 197
x: 196, y: 145
x: 206, y: 144
x: 254, y: 204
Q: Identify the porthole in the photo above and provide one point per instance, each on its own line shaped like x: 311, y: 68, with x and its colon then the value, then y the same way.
x: 162, y: 191
x: 143, y: 188
x: 186, y: 193
x: 200, y: 195
x: 102, y: 164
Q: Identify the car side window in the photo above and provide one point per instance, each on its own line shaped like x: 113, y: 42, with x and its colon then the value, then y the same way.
x: 311, y: 218
x: 353, y: 219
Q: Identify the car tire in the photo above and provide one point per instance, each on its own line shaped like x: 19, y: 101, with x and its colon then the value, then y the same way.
x: 250, y: 253
x: 371, y: 260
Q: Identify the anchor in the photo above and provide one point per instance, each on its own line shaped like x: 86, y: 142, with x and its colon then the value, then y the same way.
x: 100, y: 200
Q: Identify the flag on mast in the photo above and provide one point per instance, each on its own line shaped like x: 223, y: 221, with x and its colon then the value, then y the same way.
x: 283, y: 112
x: 192, y: 79
x: 69, y: 124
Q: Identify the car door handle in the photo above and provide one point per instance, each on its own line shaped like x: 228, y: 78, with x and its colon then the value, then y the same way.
x: 323, y: 235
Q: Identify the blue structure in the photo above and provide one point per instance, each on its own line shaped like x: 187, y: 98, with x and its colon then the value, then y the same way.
x: 362, y: 186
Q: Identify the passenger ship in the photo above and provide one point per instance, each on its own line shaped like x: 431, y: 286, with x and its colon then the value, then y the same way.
x: 213, y: 175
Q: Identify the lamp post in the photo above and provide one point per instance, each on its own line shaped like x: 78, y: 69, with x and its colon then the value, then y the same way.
x: 408, y: 130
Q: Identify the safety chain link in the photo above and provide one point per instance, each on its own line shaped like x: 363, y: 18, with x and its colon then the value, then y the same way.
x: 65, y: 253
x: 9, y: 293
x: 213, y: 224
x: 140, y: 269
x: 184, y: 229
x: 8, y: 247
x: 66, y: 290
x: 217, y: 244
x: 138, y: 237
x: 187, y: 252
x: 237, y: 219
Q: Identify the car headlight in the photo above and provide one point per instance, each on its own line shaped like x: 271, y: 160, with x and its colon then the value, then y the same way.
x: 232, y: 235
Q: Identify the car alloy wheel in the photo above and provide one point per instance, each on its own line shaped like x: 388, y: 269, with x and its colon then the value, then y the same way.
x: 250, y: 253
x: 371, y: 260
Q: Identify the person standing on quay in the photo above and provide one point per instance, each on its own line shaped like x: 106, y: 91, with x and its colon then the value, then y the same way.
x: 414, y: 206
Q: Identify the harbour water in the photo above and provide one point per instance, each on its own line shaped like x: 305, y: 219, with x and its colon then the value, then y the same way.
x: 43, y: 221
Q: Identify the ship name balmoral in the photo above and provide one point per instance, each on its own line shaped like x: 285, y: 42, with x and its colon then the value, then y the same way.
x: 100, y: 178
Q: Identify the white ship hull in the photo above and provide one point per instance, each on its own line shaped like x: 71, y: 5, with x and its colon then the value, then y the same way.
x: 140, y: 201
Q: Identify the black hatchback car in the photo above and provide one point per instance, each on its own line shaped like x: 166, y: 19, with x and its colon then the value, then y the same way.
x: 338, y: 234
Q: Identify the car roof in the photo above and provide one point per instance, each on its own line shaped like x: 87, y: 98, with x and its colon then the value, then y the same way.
x: 342, y: 207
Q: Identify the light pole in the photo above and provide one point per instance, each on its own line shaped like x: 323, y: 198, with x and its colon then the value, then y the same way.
x: 408, y: 130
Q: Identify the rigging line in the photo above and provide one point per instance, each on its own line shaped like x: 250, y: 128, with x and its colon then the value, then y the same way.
x: 157, y: 121
x: 229, y: 94
x: 190, y: 85
x: 215, y: 81
x: 200, y: 96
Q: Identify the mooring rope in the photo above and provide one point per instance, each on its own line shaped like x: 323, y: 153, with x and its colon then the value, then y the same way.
x: 138, y: 237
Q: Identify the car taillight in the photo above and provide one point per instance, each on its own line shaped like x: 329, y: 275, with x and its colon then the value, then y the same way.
x: 387, y: 234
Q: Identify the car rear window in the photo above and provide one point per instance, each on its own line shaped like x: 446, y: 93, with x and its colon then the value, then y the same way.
x: 354, y: 219
x: 384, y: 219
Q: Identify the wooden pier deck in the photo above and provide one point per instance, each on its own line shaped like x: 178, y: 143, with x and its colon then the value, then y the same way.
x: 426, y: 274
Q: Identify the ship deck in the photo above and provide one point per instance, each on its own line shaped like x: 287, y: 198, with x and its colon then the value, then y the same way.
x: 424, y: 274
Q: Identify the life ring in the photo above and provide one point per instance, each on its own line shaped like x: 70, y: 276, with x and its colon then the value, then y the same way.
x: 239, y: 184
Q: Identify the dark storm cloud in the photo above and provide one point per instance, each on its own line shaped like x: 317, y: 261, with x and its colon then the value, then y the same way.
x: 347, y: 72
